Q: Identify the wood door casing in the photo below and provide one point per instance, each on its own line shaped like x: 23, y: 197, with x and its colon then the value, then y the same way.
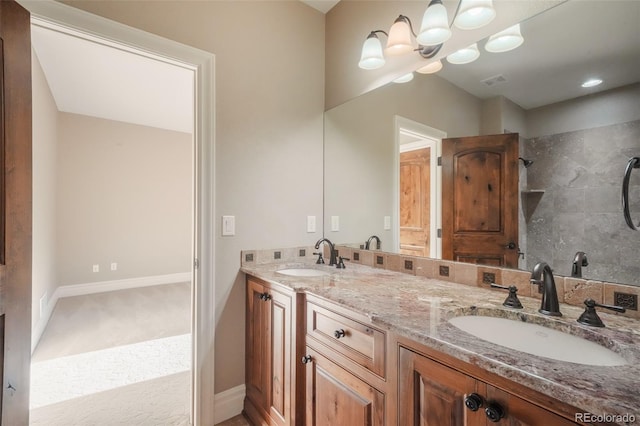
x: 15, y: 270
x: 415, y: 202
x: 480, y: 199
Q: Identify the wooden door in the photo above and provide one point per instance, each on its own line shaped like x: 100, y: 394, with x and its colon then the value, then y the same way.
x: 415, y: 202
x: 337, y: 397
x: 15, y: 212
x: 480, y: 199
x: 431, y: 394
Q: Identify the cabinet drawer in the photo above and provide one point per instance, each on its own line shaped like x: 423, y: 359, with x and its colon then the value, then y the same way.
x: 359, y: 342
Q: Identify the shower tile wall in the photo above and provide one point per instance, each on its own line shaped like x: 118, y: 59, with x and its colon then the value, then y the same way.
x: 580, y: 210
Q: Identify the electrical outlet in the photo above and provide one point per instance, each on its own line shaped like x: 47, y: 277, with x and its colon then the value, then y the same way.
x: 96, y: 268
x: 311, y: 224
x: 114, y: 266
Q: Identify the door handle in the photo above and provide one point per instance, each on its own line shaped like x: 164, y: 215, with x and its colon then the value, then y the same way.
x: 511, y: 246
x: 634, y: 163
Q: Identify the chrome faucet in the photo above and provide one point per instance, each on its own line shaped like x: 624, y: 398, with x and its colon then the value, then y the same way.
x: 332, y: 250
x: 543, y: 277
x: 367, y: 245
x: 579, y: 261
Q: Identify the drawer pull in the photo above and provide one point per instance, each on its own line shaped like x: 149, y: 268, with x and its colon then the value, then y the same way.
x: 306, y: 359
x: 265, y: 296
x: 473, y: 401
x: 339, y: 333
x: 494, y: 412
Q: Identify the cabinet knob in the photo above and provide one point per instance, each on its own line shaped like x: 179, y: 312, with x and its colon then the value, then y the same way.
x: 306, y: 359
x: 265, y: 296
x: 494, y: 412
x: 339, y: 333
x: 473, y: 401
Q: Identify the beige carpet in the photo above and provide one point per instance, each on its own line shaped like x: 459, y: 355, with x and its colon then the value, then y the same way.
x: 116, y: 358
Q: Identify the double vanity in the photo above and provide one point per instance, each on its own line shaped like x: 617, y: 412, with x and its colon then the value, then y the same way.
x: 370, y: 346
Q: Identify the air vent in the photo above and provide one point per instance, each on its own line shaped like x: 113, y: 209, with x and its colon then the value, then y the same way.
x: 496, y: 79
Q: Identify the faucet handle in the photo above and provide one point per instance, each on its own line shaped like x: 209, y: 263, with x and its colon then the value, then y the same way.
x: 512, y: 300
x: 590, y: 316
x: 320, y: 260
x: 341, y: 260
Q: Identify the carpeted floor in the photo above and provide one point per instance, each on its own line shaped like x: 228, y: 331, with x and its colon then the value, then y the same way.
x: 116, y: 358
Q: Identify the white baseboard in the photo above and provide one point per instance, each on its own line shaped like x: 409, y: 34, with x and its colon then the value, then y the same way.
x: 99, y: 287
x: 228, y: 404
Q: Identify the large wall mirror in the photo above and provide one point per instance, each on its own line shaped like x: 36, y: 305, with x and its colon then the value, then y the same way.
x: 574, y: 144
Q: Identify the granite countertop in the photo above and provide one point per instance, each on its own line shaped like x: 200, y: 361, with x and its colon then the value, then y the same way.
x: 419, y: 308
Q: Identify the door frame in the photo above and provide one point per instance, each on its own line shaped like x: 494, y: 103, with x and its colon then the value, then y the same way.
x: 430, y: 137
x: 114, y: 34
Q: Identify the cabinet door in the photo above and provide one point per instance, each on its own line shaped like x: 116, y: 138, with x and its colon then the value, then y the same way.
x: 268, y: 352
x: 337, y: 397
x: 280, y: 348
x: 431, y: 394
x: 258, y: 347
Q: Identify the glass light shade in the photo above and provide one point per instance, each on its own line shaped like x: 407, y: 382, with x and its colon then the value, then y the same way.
x: 432, y: 68
x: 465, y: 56
x: 371, y: 57
x: 474, y: 14
x: 435, y: 26
x: 404, y: 79
x: 505, y: 41
x: 399, y: 41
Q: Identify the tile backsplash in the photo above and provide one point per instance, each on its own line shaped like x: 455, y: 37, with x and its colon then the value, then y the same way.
x: 572, y: 291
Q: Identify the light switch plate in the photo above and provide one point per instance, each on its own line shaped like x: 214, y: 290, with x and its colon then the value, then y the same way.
x: 335, y: 223
x: 228, y: 225
x: 311, y: 224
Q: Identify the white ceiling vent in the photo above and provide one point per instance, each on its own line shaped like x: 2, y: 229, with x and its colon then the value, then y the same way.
x: 492, y: 81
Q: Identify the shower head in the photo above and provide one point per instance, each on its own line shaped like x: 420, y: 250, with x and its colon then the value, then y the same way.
x: 527, y: 163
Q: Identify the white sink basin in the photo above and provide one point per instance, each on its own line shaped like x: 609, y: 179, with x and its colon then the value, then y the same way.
x: 537, y: 340
x: 302, y: 272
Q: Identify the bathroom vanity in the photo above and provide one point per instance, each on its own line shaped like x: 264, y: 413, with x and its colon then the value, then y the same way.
x: 369, y: 346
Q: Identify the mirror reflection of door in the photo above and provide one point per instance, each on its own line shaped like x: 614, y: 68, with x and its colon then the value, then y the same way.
x: 419, y: 188
x: 480, y: 199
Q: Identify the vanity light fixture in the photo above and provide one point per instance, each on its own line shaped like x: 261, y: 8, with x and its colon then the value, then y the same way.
x: 474, y: 14
x: 404, y: 79
x: 505, y: 40
x: 431, y: 68
x: 464, y: 56
x: 592, y: 82
x: 434, y: 31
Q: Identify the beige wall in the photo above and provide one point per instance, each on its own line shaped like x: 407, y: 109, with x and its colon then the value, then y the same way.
x: 45, y: 132
x: 350, y: 22
x: 124, y: 196
x: 359, y: 149
x: 269, y: 105
x: 602, y: 109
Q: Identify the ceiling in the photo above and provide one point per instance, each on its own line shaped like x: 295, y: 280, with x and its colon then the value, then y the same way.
x: 564, y: 46
x: 322, y: 5
x: 89, y: 78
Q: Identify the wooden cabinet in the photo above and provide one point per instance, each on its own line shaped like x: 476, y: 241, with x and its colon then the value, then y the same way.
x: 271, y: 371
x: 432, y: 394
x: 337, y: 397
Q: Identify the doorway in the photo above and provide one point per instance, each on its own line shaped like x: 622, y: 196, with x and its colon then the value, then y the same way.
x: 202, y: 269
x: 418, y: 189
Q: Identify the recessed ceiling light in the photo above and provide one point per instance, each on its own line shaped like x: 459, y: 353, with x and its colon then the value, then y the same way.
x: 592, y: 82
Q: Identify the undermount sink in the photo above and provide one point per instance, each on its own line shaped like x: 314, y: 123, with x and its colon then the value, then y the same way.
x: 537, y: 340
x: 303, y: 272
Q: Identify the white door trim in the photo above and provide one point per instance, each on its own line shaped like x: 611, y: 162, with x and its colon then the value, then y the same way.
x: 202, y: 63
